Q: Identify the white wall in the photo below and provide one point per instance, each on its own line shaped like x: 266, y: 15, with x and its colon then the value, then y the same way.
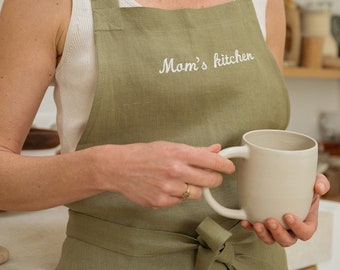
x: 335, y: 4
x: 309, y: 97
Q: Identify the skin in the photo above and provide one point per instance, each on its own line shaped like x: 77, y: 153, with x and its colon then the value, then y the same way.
x: 32, y: 37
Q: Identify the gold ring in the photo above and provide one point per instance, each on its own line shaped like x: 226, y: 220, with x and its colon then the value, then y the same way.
x: 186, y: 194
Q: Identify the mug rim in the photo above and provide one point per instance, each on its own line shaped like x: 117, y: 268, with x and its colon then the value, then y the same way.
x: 312, y: 142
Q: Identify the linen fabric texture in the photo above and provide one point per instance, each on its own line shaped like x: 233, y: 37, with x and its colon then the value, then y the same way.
x: 193, y: 76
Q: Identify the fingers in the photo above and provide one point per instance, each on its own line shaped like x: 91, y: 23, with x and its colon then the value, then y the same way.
x: 322, y: 185
x: 272, y: 231
x: 304, y: 230
x: 163, y: 200
x: 281, y: 235
x: 215, y: 148
x: 189, y: 192
x: 298, y: 229
x: 200, y: 177
x: 207, y: 157
x: 260, y: 230
x: 199, y: 166
x: 160, y: 174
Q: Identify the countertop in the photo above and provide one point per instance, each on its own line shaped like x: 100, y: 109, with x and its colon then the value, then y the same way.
x: 34, y: 239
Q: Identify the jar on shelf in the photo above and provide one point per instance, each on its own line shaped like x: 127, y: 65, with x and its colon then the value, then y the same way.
x: 293, y: 34
x: 316, y: 23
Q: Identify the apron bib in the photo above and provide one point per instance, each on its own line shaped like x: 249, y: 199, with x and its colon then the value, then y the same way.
x: 194, y: 76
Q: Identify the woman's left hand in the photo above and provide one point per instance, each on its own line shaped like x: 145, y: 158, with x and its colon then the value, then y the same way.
x: 272, y: 231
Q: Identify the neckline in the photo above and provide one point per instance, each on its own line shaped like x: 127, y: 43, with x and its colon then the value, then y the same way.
x: 136, y: 4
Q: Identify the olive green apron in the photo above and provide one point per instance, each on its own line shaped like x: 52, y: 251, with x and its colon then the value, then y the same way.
x: 194, y: 76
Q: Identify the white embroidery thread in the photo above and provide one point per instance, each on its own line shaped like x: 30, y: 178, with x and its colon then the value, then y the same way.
x: 219, y: 60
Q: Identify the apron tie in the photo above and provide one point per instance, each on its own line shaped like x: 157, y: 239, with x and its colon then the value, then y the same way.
x: 127, y: 240
x: 213, y: 245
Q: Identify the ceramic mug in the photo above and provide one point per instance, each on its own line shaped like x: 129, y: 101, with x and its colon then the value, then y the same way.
x: 276, y: 175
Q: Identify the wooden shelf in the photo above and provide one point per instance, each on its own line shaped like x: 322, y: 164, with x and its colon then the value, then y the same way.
x: 300, y: 72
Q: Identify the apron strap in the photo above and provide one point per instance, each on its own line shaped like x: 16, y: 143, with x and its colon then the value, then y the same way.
x: 211, y: 242
x: 124, y: 239
x: 105, y: 3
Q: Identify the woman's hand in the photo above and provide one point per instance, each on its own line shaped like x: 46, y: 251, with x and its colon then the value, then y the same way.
x: 158, y: 174
x: 272, y: 231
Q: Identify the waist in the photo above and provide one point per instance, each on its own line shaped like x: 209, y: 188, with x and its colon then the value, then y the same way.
x: 127, y: 240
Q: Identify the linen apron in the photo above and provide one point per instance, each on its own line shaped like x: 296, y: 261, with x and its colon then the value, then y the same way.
x: 193, y: 76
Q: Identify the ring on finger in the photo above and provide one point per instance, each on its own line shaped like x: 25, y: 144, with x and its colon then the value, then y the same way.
x: 186, y: 194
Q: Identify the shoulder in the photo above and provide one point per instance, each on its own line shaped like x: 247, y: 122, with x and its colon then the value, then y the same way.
x: 36, y: 9
x: 43, y: 18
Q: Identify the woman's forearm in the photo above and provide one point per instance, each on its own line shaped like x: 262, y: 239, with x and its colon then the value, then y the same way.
x: 32, y: 183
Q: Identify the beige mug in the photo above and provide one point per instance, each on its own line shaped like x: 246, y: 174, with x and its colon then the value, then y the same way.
x: 276, y: 175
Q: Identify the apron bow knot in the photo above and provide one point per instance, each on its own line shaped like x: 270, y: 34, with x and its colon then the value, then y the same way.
x: 213, y: 246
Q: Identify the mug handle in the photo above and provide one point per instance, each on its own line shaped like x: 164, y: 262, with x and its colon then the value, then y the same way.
x: 231, y: 152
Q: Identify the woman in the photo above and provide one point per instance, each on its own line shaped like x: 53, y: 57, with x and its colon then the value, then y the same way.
x: 147, y: 93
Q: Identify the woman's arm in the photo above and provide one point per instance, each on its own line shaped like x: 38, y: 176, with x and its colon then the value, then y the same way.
x: 32, y: 35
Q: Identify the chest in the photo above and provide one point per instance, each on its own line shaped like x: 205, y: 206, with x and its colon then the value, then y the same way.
x: 183, y: 75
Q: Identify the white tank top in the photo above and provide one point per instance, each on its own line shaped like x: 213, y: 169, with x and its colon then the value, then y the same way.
x: 76, y: 73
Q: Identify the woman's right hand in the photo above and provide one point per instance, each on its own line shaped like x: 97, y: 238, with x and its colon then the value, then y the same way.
x: 157, y: 174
